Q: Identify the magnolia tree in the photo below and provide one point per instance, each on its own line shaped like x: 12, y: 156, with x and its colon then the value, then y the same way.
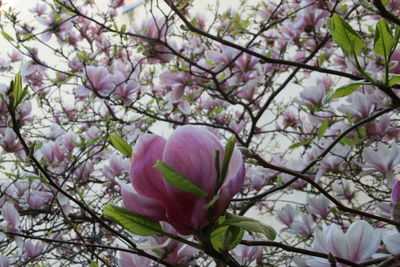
x: 282, y: 145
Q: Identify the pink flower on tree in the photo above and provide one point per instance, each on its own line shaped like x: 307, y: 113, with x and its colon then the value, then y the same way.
x: 396, y: 192
x: 33, y: 248
x: 382, y: 160
x: 127, y: 259
x: 11, y: 216
x: 99, y: 80
x: 357, y: 244
x: 191, y: 151
x: 391, y: 239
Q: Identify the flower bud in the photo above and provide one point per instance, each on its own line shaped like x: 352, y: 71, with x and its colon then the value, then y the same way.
x: 191, y: 151
x: 396, y: 201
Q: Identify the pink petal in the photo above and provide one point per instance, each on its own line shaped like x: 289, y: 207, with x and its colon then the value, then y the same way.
x: 233, y: 182
x: 140, y: 204
x: 191, y: 151
x: 146, y: 179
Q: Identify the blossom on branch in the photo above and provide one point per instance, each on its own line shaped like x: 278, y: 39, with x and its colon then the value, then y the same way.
x: 191, y: 151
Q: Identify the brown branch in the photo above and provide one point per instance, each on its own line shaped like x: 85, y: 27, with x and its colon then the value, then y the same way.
x: 384, y: 13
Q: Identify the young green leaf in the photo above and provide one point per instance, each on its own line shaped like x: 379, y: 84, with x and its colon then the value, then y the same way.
x: 394, y: 79
x: 347, y: 89
x: 299, y: 144
x: 178, y: 180
x: 384, y: 41
x: 250, y: 225
x: 230, y: 146
x: 123, y: 147
x: 7, y: 36
x: 323, y: 128
x: 226, y: 237
x: 134, y: 223
x: 17, y: 89
x: 344, y: 35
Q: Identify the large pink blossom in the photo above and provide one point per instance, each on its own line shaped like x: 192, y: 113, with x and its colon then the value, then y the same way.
x: 191, y: 151
x: 357, y: 244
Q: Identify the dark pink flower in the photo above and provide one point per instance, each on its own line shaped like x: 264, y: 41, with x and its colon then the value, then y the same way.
x: 396, y: 191
x: 191, y: 151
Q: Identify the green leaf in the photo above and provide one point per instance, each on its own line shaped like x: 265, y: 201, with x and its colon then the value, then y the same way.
x: 230, y: 146
x: 323, y: 128
x: 299, y: 144
x: 348, y: 89
x: 384, y: 41
x: 394, y: 79
x: 346, y: 141
x: 250, y: 225
x: 7, y: 36
x: 226, y: 237
x: 134, y: 223
x: 328, y: 96
x: 178, y: 180
x: 123, y: 147
x: 344, y: 35
x: 385, y: 2
x: 94, y: 264
x: 17, y: 89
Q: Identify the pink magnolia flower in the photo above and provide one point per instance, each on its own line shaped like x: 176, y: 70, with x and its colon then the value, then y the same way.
x: 176, y: 253
x: 382, y: 160
x: 318, y: 205
x: 175, y: 82
x: 191, y: 151
x: 116, y: 167
x: 288, y: 214
x: 391, y: 239
x: 15, y: 56
x: 126, y: 259
x: 310, y: 17
x: 304, y: 227
x: 99, y: 80
x: 36, y: 199
x: 396, y: 192
x: 10, y: 215
x: 33, y: 249
x: 39, y: 9
x: 245, y: 255
x: 312, y: 95
x: 258, y: 176
x: 9, y: 141
x: 359, y: 105
x: 342, y: 188
x: 357, y: 244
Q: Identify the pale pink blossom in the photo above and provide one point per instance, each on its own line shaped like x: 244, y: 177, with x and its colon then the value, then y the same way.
x: 100, y: 80
x: 342, y: 188
x: 10, y: 215
x: 33, y: 248
x: 383, y: 159
x: 391, y: 239
x: 358, y: 243
x: 288, y: 214
x: 303, y: 226
x: 318, y: 205
x: 359, y: 105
